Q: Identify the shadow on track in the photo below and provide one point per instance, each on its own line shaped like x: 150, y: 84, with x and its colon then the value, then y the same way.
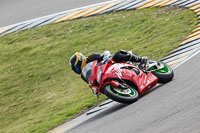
x: 119, y: 106
x: 151, y: 90
x: 114, y: 108
x: 110, y: 110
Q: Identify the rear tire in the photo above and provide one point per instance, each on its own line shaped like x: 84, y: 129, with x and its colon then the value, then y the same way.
x: 110, y: 92
x: 164, y: 77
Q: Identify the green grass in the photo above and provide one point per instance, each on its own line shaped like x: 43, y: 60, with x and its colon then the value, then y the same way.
x: 38, y: 90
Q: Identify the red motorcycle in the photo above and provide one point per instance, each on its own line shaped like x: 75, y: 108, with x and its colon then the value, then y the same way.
x: 124, y: 82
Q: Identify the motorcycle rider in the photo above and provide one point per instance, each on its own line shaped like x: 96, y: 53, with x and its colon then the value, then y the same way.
x: 82, y: 65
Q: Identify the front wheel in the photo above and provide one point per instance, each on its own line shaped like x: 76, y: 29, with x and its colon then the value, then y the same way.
x: 165, y: 74
x: 121, y: 95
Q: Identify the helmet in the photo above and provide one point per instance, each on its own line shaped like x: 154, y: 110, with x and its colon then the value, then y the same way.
x: 77, y: 62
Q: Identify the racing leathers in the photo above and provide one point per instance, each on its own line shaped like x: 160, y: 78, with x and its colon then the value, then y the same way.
x: 120, y: 56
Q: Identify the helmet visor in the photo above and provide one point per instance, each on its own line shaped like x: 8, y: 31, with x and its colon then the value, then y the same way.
x: 77, y: 68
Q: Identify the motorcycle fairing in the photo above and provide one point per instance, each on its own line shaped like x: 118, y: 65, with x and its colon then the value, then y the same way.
x: 124, y: 71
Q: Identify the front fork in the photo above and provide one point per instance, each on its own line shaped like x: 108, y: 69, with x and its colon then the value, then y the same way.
x: 94, y: 90
x: 97, y: 90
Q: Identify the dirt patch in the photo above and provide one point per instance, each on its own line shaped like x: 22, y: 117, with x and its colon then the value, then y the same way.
x: 169, y: 9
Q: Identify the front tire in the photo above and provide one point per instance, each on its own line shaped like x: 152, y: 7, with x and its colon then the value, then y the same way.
x: 114, y: 94
x: 165, y: 74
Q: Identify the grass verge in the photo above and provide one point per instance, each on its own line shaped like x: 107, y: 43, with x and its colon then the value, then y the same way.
x: 38, y: 90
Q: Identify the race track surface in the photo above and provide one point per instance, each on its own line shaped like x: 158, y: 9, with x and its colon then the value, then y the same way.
x: 169, y: 108
x: 15, y: 11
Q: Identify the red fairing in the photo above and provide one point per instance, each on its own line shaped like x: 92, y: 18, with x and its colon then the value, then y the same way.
x: 113, y: 70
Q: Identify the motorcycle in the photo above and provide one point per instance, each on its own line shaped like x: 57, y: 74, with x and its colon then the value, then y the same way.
x: 124, y: 82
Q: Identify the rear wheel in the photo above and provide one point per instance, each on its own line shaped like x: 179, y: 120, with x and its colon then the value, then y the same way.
x: 121, y: 95
x: 165, y: 74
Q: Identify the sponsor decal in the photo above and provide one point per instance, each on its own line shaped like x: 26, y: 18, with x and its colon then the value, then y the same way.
x: 118, y: 72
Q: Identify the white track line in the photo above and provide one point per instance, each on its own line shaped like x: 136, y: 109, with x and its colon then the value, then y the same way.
x: 34, y: 19
x: 187, y: 59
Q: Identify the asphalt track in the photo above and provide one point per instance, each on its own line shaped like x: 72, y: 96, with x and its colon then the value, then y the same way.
x: 15, y: 11
x: 170, y: 108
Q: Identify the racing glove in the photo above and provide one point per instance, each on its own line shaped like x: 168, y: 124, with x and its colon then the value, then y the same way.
x: 144, y: 59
